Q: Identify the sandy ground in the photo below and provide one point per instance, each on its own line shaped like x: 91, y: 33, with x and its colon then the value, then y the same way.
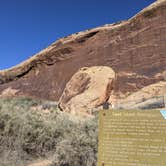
x: 41, y: 163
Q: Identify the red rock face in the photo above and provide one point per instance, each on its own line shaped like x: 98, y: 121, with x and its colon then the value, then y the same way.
x: 135, y: 49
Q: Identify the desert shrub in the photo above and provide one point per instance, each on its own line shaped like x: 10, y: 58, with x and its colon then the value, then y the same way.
x: 79, y: 148
x: 27, y: 134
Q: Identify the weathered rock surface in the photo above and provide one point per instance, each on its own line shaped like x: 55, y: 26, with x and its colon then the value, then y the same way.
x: 134, y: 49
x: 9, y: 92
x: 87, y: 89
x: 152, y: 96
x: 152, y: 103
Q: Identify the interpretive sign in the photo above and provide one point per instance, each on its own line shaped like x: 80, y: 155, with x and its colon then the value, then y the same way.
x: 132, y: 138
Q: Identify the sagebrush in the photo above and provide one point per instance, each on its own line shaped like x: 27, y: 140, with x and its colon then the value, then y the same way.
x: 32, y: 129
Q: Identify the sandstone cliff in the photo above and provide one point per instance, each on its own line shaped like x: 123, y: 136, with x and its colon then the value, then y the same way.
x: 134, y: 49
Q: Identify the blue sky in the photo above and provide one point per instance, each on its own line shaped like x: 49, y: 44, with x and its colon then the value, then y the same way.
x: 27, y: 26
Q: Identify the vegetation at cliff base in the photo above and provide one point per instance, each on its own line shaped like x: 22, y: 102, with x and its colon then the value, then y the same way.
x: 32, y: 129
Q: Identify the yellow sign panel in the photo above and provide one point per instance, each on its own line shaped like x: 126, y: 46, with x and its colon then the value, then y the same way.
x: 132, y: 138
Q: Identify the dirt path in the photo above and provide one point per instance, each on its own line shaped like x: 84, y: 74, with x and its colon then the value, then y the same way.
x: 41, y: 163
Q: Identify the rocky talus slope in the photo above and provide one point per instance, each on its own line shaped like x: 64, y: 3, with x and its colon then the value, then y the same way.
x: 135, y: 49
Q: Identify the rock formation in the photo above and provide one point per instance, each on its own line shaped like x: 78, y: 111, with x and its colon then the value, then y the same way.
x: 134, y: 49
x: 151, y: 96
x: 87, y: 89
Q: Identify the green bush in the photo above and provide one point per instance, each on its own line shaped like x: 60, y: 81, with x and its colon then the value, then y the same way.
x: 27, y: 134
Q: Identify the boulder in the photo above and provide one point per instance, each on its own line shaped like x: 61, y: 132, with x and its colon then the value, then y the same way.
x: 88, y: 88
x: 9, y: 92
